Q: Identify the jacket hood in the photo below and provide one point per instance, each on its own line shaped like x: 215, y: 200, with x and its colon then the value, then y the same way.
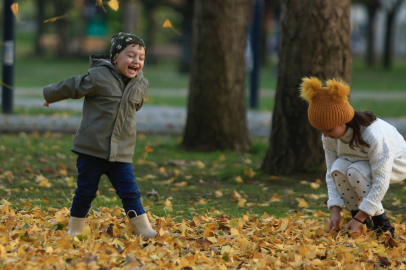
x: 97, y: 60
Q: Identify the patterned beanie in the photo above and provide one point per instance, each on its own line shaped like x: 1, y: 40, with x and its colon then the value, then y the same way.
x: 120, y: 41
x: 329, y: 107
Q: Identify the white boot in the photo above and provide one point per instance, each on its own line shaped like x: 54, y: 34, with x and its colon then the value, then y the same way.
x: 76, y: 225
x: 141, y: 226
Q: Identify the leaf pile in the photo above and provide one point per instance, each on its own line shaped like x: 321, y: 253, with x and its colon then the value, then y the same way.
x: 34, y: 238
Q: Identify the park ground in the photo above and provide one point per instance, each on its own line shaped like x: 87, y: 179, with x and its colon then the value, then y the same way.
x: 220, y: 209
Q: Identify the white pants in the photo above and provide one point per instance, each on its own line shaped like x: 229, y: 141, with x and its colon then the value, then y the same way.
x: 352, y: 184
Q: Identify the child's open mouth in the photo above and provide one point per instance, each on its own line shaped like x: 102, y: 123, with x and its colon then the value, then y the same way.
x: 133, y: 69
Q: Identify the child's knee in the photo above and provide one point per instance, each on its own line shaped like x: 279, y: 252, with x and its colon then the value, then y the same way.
x: 337, y: 175
x: 354, y: 176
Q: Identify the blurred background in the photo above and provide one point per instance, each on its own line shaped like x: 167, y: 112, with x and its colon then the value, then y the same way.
x: 53, y: 51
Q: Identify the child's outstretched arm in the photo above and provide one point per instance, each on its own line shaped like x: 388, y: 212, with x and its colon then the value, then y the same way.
x: 75, y: 87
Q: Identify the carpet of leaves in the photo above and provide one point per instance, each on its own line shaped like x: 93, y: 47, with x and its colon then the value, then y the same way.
x: 35, y: 238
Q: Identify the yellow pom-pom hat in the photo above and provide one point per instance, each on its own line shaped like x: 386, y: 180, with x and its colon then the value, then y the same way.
x: 328, y: 106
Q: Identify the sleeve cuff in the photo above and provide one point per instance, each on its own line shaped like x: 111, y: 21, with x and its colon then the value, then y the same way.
x: 368, y: 207
x: 335, y: 202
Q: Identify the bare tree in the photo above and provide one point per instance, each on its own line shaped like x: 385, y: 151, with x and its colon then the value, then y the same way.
x: 216, y: 108
x: 315, y: 41
x: 392, y: 8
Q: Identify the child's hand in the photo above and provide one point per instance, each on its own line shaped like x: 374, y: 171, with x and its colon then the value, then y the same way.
x: 335, y: 219
x: 354, y: 226
x: 46, y: 104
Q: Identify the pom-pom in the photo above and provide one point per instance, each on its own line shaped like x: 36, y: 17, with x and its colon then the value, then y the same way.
x: 338, y: 89
x: 309, y: 88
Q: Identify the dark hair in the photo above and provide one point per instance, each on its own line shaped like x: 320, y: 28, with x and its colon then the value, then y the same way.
x: 360, y: 119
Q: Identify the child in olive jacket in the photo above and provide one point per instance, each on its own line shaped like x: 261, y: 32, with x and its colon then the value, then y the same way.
x: 114, y: 90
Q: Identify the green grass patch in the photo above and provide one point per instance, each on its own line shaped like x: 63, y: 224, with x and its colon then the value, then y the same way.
x: 40, y: 169
x: 34, y: 72
x: 18, y: 110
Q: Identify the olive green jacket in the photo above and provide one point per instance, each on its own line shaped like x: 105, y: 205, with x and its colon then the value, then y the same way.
x: 108, y: 127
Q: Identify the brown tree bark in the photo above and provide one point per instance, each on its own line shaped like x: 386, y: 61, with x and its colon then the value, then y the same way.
x: 315, y: 41
x: 216, y: 109
x: 130, y: 17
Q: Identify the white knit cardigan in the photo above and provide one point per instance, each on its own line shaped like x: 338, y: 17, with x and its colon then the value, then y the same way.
x: 386, y: 156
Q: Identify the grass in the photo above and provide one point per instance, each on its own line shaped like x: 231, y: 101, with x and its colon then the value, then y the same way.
x: 34, y: 72
x: 170, y: 170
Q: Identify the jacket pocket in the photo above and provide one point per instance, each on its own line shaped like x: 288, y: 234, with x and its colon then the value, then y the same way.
x: 137, y: 99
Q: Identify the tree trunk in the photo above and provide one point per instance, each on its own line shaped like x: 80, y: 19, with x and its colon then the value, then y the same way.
x: 216, y: 109
x: 150, y: 34
x: 388, y: 46
x: 187, y: 34
x: 315, y: 41
x: 372, y: 8
x: 62, y: 7
x: 130, y: 18
x: 39, y: 50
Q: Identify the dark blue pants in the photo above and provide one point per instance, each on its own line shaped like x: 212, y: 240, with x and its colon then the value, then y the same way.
x: 121, y: 176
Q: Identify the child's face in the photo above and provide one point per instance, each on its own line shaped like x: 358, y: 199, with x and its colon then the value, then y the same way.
x: 336, y: 132
x: 130, y: 61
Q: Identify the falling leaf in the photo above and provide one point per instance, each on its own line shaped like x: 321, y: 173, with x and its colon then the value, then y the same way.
x: 113, y: 4
x: 14, y: 9
x: 303, y: 203
x: 167, y: 24
x: 6, y: 85
x: 57, y: 18
x: 100, y: 3
x: 147, y: 98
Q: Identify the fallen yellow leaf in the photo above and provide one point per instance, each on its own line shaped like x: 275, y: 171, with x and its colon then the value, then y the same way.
x: 303, y: 203
x: 241, y: 202
x: 314, y: 185
x: 238, y: 179
x: 219, y: 193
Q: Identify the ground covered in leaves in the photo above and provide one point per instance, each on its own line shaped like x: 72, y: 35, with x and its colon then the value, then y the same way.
x: 35, y: 238
x: 220, y: 209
